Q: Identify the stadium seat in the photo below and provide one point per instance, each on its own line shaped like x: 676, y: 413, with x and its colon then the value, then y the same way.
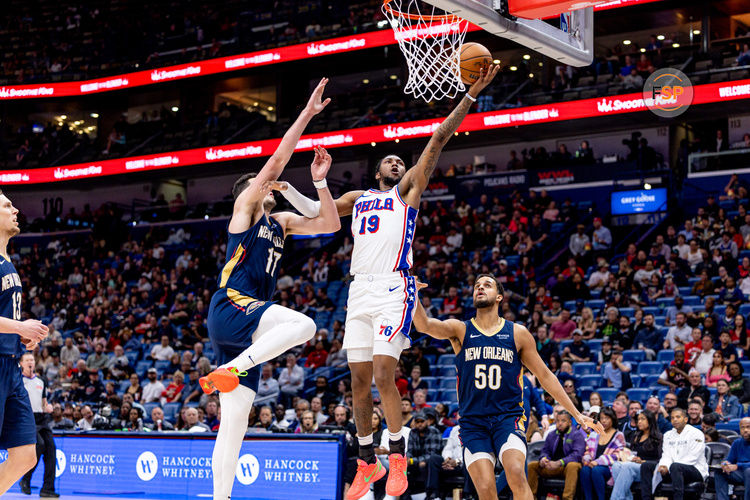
x: 448, y: 383
x: 593, y: 380
x: 449, y: 397
x: 446, y: 360
x: 633, y: 355
x: 595, y: 345
x: 665, y: 355
x: 744, y: 309
x: 142, y: 367
x: 584, y: 392
x: 431, y: 359
x: 447, y: 371
x: 161, y: 365
x: 746, y: 367
x: 432, y: 382
x: 564, y: 344
x: 663, y: 303
x: 171, y: 410
x: 650, y: 368
x: 692, y: 300
x: 649, y: 380
x: 584, y: 369
x: 608, y: 394
x: 595, y: 305
x: 432, y: 394
x: 132, y: 357
x: 638, y: 394
x: 124, y: 384
x: 636, y: 379
x: 652, y: 310
x: 627, y: 311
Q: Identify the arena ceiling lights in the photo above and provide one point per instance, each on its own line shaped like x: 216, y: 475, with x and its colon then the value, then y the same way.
x: 531, y: 115
x: 225, y: 64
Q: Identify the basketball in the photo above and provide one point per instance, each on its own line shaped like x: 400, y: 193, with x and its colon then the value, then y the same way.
x: 473, y: 57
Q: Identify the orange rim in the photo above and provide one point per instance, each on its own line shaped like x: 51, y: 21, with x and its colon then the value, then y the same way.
x: 448, y: 18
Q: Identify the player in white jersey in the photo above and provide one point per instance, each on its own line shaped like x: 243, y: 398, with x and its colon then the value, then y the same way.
x: 382, y: 295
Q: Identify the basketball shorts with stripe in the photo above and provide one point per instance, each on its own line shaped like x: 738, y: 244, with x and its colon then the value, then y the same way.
x: 380, y: 309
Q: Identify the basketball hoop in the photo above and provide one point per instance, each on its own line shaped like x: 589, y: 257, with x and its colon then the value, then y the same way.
x: 430, y: 43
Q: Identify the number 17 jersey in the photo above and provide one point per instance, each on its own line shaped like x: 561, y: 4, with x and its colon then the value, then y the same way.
x: 383, y: 228
x: 490, y: 374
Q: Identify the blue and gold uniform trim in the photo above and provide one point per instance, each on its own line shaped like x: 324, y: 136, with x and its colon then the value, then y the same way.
x: 243, y: 302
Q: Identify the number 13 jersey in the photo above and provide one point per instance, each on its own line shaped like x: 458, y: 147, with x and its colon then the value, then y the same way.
x: 10, y: 306
x: 383, y: 228
x: 490, y: 374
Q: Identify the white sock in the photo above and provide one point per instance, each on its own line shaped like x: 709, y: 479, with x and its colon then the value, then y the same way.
x: 235, y: 409
x: 279, y: 330
x: 394, y: 436
x: 365, y: 440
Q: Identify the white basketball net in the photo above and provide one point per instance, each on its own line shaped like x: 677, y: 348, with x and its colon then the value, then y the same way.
x: 430, y: 41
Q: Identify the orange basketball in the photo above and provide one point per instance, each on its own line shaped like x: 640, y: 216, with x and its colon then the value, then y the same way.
x: 473, y: 57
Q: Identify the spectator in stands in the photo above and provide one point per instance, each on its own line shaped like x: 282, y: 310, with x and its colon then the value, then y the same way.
x: 578, y: 351
x: 416, y: 381
x: 599, y: 278
x: 695, y: 259
x: 192, y: 390
x: 89, y: 420
x: 645, y: 446
x: 317, y: 358
x: 679, y: 334
x: 704, y: 360
x: 724, y: 403
x: 98, y: 360
x: 420, y: 400
x: 735, y: 468
x: 605, y: 355
x: 675, y: 376
x: 739, y: 385
x: 424, y: 454
x: 336, y: 355
x: 69, y: 352
x: 679, y: 306
x: 683, y: 458
x: 453, y: 456
x: 601, y: 452
x: 695, y: 412
x: 587, y: 323
x: 163, y: 351
x: 726, y: 347
x: 662, y: 416
x: 562, y: 329
x: 268, y: 387
x: 291, y: 379
x: 615, y: 371
x: 561, y: 456
x: 601, y: 237
x: 308, y: 425
x: 718, y: 370
x: 173, y: 392
x: 570, y: 389
x: 633, y: 80
x: 193, y: 423
x: 694, y: 389
x: 157, y: 421
x: 647, y: 338
x: 153, y: 390
x: 59, y: 421
x: 323, y: 391
x: 584, y: 153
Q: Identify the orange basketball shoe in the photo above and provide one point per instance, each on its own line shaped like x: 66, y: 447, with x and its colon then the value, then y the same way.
x: 221, y: 379
x: 367, y: 474
x: 397, y: 482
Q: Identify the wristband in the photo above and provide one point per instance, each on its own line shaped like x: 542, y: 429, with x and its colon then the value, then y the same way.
x: 321, y: 184
x: 471, y: 98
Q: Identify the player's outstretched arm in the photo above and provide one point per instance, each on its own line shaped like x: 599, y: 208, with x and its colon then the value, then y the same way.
x: 328, y: 219
x: 311, y: 208
x: 416, y: 179
x: 276, y: 163
x: 526, y: 346
x: 448, y: 329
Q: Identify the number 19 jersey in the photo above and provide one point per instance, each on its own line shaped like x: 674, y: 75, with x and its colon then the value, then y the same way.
x: 383, y: 229
x: 490, y: 374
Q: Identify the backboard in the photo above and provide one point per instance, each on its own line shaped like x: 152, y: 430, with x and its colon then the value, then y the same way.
x: 574, y: 47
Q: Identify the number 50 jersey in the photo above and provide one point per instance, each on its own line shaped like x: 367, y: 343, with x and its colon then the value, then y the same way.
x: 383, y: 229
x: 490, y: 373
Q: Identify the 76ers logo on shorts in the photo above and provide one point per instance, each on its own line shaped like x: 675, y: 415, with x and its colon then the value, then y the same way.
x: 386, y: 330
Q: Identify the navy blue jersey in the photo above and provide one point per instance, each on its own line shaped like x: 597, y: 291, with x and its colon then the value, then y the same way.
x: 10, y: 306
x: 253, y: 256
x: 490, y: 375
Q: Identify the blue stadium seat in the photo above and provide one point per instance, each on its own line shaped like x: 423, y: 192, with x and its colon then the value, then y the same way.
x: 432, y: 394
x: 684, y: 291
x: 513, y: 260
x: 171, y: 410
x: 448, y: 383
x: 633, y: 355
x: 431, y: 358
x: 446, y: 359
x: 557, y: 227
x: 584, y: 369
x: 651, y: 310
x: 565, y: 343
x: 132, y: 357
x: 665, y: 355
x: 595, y: 305
x: 660, y: 320
x: 447, y: 371
x: 720, y: 310
x: 449, y: 397
x: 585, y: 391
x: 142, y: 367
x: 608, y: 394
x: 692, y: 300
x: 595, y: 345
x: 650, y: 368
x: 161, y: 365
x: 432, y: 382
x: 732, y: 425
x: 438, y: 302
x: 744, y: 309
x: 627, y: 311
x: 124, y: 384
x: 636, y: 379
x: 664, y: 302
x: 593, y: 380
x: 746, y: 367
x: 638, y: 394
x: 649, y: 380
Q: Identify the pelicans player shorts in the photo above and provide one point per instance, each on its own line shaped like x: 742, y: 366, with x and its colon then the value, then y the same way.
x: 379, y: 315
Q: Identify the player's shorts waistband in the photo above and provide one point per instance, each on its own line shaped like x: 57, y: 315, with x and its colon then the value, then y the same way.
x: 380, y: 277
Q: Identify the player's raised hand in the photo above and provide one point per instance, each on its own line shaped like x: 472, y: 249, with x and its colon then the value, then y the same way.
x: 321, y: 163
x: 315, y: 105
x: 420, y: 285
x: 486, y: 75
x: 32, y: 330
x: 590, y: 423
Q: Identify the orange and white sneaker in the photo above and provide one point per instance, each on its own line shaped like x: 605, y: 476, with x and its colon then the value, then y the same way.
x: 221, y: 379
x: 397, y: 482
x: 367, y: 474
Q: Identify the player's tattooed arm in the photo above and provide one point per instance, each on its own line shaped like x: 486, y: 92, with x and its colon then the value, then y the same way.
x: 450, y: 329
x: 526, y: 346
x: 416, y: 180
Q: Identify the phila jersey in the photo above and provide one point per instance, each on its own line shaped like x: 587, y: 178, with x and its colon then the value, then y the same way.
x: 253, y: 256
x: 10, y: 306
x: 490, y: 374
x: 383, y: 229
